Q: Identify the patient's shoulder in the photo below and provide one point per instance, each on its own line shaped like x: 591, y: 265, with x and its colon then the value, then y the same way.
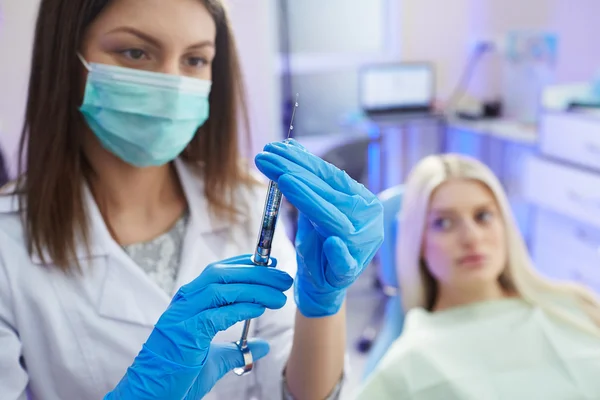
x: 404, y: 348
x: 585, y: 309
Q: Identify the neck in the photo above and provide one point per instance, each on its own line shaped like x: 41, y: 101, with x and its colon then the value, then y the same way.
x: 129, y: 190
x: 138, y: 204
x: 449, y: 297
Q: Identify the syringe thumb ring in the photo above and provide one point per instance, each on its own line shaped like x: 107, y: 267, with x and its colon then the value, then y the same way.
x: 248, y: 359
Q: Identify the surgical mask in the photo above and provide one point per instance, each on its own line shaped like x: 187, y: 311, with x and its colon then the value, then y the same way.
x: 144, y: 118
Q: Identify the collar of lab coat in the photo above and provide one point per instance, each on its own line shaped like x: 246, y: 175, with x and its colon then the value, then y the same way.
x: 100, y: 240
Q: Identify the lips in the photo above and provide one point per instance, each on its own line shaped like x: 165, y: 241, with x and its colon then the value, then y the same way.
x: 472, y: 260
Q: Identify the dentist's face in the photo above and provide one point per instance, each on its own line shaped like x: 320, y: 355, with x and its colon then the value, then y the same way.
x: 175, y: 37
x: 464, y: 241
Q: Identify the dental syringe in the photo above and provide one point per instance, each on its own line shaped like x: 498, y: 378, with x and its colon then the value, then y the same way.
x: 262, y: 253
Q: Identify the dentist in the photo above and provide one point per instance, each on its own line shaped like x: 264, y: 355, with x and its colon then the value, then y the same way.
x: 125, y: 241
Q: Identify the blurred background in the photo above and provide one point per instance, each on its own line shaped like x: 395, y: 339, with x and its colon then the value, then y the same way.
x: 383, y: 83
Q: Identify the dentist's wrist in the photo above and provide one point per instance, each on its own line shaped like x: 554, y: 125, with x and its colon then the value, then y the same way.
x: 142, y: 378
x: 317, y: 303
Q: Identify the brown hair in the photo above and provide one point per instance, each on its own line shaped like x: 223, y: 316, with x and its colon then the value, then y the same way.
x: 52, y: 166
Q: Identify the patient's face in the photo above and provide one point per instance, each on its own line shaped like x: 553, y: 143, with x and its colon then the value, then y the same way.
x: 464, y: 242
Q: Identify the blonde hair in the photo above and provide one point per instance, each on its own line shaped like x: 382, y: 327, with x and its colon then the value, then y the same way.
x: 416, y: 284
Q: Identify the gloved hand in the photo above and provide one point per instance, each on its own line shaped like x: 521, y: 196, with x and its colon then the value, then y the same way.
x: 340, y: 227
x: 178, y: 361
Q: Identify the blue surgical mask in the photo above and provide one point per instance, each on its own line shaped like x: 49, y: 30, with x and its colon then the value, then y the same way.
x: 145, y: 118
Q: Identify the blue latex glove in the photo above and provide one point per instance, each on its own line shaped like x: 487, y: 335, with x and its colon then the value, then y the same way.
x: 340, y: 227
x: 178, y: 361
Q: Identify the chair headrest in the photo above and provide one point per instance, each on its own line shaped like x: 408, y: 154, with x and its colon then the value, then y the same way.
x: 392, y: 202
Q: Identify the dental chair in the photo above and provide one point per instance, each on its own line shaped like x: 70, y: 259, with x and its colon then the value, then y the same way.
x: 383, y: 331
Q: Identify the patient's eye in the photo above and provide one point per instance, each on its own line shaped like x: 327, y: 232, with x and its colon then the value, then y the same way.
x: 484, y: 216
x: 442, y: 223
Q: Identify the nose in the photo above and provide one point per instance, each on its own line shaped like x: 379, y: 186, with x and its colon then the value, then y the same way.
x: 171, y: 66
x: 470, y: 234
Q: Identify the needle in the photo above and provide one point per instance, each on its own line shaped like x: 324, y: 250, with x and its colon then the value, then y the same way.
x: 292, y: 120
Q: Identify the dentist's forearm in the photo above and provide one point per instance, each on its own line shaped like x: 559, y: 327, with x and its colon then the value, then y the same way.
x: 316, y: 363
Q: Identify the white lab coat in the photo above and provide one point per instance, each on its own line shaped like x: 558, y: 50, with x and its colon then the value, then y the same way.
x: 72, y: 337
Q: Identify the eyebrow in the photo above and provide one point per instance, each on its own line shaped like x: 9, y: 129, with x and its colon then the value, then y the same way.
x: 452, y: 210
x: 155, y: 42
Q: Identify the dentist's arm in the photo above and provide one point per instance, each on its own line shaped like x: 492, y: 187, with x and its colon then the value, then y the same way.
x: 340, y: 228
x: 316, y: 363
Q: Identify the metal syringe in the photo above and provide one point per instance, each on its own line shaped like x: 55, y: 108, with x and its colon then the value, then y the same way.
x: 262, y: 253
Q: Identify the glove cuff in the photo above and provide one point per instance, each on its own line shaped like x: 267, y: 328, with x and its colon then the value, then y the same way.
x: 314, y: 304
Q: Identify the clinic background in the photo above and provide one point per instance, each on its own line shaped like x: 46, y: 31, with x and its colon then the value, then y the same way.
x: 441, y: 32
x: 316, y: 48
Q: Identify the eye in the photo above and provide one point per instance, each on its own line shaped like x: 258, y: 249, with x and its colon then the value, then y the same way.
x: 442, y: 224
x: 197, y: 62
x: 134, y: 54
x: 484, y: 216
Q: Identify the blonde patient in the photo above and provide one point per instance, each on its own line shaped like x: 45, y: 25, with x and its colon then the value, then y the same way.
x: 481, y: 323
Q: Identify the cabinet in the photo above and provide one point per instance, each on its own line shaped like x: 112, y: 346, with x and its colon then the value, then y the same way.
x: 563, y: 185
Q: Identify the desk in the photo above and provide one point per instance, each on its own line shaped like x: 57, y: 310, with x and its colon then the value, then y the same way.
x: 507, y: 130
x: 500, y: 144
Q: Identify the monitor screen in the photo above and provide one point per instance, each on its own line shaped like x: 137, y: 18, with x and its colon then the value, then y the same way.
x: 389, y: 87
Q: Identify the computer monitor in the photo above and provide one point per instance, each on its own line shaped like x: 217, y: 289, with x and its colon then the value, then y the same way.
x: 397, y: 88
